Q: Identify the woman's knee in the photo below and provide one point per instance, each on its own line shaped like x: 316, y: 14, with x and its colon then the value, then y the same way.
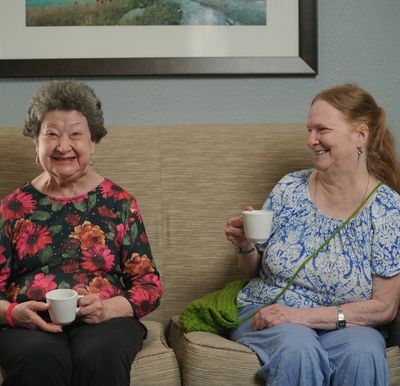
x: 355, y: 343
x: 304, y: 364
x: 101, y: 365
x: 296, y: 340
x: 299, y: 349
x: 362, y: 353
x: 38, y: 359
x: 105, y: 352
x: 357, y: 356
x: 293, y: 352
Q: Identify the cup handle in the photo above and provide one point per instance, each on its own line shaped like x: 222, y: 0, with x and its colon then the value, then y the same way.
x: 78, y: 308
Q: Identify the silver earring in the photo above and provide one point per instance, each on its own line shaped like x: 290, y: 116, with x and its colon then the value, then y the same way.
x: 37, y: 160
x: 360, y: 151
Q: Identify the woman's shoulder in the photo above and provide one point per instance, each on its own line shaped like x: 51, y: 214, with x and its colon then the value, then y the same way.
x: 387, y: 197
x: 290, y: 189
x: 113, y: 190
x: 21, y: 190
x: 109, y: 183
x: 295, y: 179
x: 384, y: 207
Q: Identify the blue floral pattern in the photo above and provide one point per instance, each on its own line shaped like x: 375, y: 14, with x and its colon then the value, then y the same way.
x: 342, y: 272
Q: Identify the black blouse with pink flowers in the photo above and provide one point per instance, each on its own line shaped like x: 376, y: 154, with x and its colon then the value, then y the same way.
x: 96, y: 241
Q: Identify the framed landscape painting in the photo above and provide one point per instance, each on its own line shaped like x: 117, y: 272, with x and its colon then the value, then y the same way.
x: 50, y: 38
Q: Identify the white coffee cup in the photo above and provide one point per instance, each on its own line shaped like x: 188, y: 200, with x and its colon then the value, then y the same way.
x: 63, y: 305
x: 257, y: 225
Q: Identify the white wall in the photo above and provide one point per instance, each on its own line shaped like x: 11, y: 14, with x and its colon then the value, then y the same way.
x: 359, y: 41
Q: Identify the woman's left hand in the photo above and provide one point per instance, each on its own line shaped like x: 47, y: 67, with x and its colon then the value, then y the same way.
x: 91, y: 308
x: 273, y: 315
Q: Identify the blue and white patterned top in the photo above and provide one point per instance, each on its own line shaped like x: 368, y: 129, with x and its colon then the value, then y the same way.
x: 342, y: 272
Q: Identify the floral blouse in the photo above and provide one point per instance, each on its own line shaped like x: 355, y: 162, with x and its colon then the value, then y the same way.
x: 342, y: 272
x: 96, y: 241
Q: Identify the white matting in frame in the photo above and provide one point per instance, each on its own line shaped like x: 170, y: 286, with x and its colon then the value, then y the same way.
x: 279, y: 38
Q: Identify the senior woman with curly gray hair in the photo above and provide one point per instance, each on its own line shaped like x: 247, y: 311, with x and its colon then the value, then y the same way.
x: 72, y: 228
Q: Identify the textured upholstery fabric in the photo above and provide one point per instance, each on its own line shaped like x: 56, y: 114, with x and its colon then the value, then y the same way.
x: 393, y: 358
x: 188, y: 180
x: 207, y: 359
x: 155, y: 364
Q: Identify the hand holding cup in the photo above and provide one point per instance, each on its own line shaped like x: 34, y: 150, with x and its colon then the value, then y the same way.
x: 257, y: 225
x: 234, y: 231
x: 63, y: 305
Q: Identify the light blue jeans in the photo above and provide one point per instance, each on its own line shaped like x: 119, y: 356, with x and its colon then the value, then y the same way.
x: 295, y: 355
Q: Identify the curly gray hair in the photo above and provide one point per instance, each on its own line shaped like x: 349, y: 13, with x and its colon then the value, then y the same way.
x: 65, y: 96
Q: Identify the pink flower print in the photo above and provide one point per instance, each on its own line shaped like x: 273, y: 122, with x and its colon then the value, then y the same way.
x: 109, y: 189
x: 98, y: 259
x: 30, y: 238
x: 135, y: 210
x: 121, y: 232
x: 40, y: 286
x: 102, y: 286
x: 2, y: 255
x: 17, y: 205
x: 4, y: 275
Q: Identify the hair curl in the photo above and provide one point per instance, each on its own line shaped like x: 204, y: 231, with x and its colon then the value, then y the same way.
x: 65, y: 96
x: 359, y: 106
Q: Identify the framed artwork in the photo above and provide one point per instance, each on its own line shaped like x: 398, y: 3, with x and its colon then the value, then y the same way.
x: 158, y: 38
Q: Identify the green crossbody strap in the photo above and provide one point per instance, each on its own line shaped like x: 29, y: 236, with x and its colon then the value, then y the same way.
x: 315, y: 253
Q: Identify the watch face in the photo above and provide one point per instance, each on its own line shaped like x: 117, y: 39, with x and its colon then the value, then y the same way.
x: 341, y: 321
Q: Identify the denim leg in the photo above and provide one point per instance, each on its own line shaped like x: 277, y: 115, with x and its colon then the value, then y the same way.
x: 290, y: 353
x: 357, y: 356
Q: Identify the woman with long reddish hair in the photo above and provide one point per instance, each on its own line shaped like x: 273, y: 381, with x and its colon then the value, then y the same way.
x: 318, y: 318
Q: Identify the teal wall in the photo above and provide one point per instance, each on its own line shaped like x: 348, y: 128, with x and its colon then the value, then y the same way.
x: 359, y: 41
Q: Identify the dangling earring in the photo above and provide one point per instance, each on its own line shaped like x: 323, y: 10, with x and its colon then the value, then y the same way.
x: 92, y: 160
x: 37, y: 160
x: 360, y: 151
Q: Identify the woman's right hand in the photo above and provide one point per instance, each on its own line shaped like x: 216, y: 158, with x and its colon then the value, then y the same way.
x: 249, y: 257
x: 234, y: 232
x: 25, y: 315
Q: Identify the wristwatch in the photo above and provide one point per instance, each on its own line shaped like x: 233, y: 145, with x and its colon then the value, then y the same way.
x: 341, y: 321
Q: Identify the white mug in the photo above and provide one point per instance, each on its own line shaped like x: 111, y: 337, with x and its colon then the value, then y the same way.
x: 63, y: 305
x: 257, y: 225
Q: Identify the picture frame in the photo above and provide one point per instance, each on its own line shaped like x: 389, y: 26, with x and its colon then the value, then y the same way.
x: 303, y: 63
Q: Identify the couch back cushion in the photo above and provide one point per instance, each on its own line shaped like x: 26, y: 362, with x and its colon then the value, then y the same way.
x: 188, y: 180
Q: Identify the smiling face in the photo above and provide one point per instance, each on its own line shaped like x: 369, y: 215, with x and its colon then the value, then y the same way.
x: 64, y: 144
x: 332, y: 138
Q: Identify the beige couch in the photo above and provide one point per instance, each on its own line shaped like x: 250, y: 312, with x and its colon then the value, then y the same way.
x: 188, y: 180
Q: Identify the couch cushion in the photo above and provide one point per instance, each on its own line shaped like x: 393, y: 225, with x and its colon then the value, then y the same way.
x: 393, y: 358
x: 208, y: 174
x: 155, y: 364
x: 206, y: 359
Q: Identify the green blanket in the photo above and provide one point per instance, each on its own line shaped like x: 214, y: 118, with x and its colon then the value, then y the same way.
x: 215, y: 312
